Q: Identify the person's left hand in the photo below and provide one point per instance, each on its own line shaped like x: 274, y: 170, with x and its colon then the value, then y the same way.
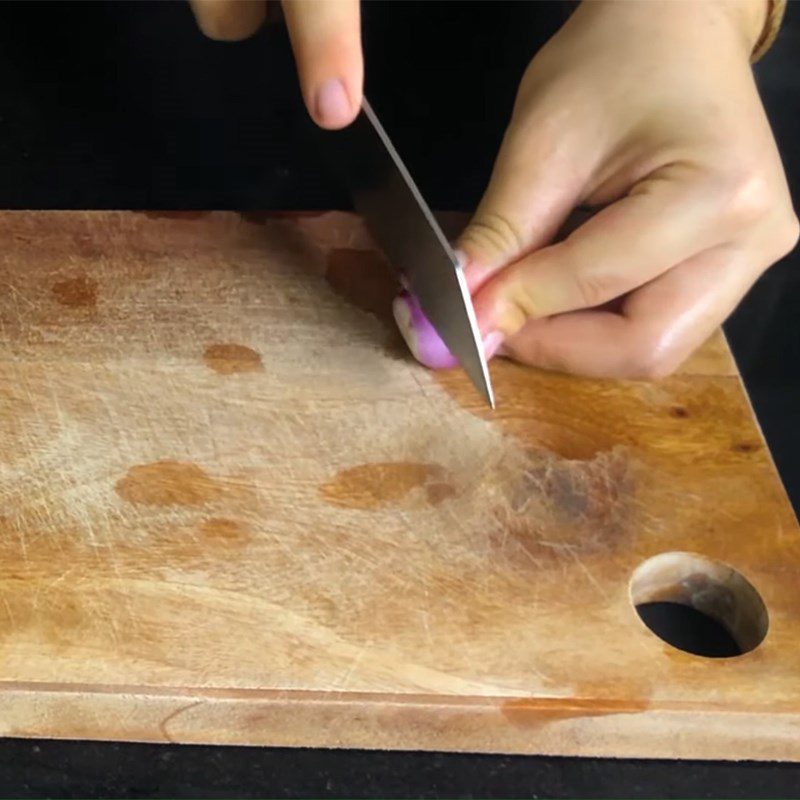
x: 648, y: 112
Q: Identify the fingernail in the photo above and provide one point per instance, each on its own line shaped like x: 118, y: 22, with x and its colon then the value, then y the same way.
x: 461, y: 257
x: 492, y: 342
x: 422, y: 340
x: 474, y: 274
x: 332, y: 103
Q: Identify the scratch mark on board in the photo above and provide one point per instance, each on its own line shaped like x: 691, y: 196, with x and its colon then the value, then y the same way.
x: 163, y: 725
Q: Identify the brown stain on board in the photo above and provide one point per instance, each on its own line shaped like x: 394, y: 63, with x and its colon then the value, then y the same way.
x: 579, y: 491
x: 587, y: 698
x: 591, y: 503
x: 230, y: 359
x: 80, y: 292
x: 439, y: 492
x: 745, y: 447
x: 372, y: 486
x: 363, y: 278
x: 168, y: 483
x: 534, y: 712
x: 219, y: 530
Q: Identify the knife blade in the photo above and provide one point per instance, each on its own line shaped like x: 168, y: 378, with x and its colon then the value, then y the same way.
x: 385, y: 195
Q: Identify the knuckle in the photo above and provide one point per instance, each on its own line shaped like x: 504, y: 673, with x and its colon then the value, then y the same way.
x: 593, y: 289
x: 746, y: 198
x: 520, y: 307
x: 495, y: 231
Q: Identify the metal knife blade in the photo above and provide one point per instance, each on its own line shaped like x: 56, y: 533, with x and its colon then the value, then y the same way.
x: 386, y: 196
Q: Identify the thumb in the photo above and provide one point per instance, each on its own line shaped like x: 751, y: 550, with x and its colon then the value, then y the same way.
x: 536, y: 181
x: 228, y: 20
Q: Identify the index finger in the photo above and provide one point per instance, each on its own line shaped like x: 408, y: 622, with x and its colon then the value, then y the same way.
x: 326, y: 40
x: 661, y: 323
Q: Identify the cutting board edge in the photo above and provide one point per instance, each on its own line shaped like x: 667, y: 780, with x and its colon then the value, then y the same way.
x: 408, y: 723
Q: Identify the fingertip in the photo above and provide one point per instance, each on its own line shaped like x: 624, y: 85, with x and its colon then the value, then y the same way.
x: 332, y: 107
x: 493, y: 344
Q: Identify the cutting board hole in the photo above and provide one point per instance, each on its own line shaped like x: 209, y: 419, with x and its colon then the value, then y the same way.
x: 699, y: 605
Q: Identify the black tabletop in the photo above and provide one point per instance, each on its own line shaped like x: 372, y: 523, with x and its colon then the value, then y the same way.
x: 124, y: 105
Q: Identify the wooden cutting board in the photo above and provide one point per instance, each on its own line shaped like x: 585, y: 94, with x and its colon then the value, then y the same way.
x: 234, y: 511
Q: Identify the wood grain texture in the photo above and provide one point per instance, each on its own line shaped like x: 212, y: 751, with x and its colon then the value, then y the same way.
x: 234, y: 511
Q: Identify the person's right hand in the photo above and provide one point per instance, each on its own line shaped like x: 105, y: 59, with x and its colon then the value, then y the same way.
x: 326, y: 40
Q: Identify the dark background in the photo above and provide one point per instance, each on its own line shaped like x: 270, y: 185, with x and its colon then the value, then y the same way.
x: 125, y: 105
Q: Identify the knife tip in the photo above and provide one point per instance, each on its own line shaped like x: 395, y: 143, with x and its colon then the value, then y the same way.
x: 478, y: 372
x: 488, y: 394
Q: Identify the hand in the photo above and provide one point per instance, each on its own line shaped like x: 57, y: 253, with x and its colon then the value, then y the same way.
x: 326, y: 39
x: 649, y: 112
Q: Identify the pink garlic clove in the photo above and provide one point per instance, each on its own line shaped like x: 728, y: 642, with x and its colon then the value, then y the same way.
x: 420, y: 336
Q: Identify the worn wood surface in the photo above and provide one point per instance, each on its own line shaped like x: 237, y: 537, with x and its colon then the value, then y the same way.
x: 234, y: 511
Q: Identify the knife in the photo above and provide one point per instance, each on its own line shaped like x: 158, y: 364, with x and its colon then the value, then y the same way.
x: 385, y: 195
